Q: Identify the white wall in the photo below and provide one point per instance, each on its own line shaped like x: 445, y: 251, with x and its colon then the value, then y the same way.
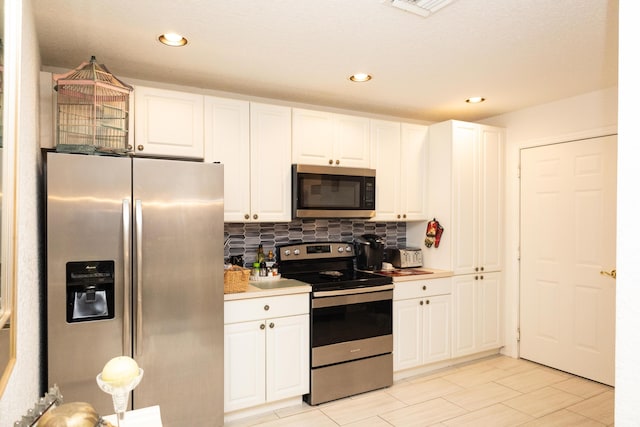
x: 23, y: 387
x: 588, y: 115
x: 627, y: 408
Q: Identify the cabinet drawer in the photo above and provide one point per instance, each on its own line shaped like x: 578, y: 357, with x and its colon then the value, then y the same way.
x: 421, y: 288
x: 267, y: 307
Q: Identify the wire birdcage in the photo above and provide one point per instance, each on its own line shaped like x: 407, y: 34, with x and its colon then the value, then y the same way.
x: 93, y: 109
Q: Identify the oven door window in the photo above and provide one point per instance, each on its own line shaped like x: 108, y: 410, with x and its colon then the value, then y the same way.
x: 341, y: 323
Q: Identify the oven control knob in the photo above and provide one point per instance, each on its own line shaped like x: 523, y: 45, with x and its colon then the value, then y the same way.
x: 287, y: 252
x: 340, y: 249
x: 296, y: 251
x: 348, y: 249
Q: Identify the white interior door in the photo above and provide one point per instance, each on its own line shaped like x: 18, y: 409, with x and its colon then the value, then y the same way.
x: 567, y: 232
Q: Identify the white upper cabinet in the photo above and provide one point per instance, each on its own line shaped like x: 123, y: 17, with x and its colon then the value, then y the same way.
x: 414, y: 172
x: 386, y: 159
x: 466, y: 196
x: 321, y: 138
x: 253, y: 142
x: 270, y: 163
x: 227, y: 140
x: 168, y: 123
x: 399, y: 156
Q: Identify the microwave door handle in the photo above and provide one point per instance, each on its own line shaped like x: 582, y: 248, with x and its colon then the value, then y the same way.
x: 139, y: 277
x: 126, y: 283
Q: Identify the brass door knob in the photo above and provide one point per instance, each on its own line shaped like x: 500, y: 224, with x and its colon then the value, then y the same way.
x: 611, y: 273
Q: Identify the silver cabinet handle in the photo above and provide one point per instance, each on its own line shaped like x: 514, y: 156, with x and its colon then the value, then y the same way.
x: 126, y: 284
x: 139, y: 276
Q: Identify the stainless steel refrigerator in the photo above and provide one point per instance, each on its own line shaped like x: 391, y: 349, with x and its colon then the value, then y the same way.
x: 134, y: 267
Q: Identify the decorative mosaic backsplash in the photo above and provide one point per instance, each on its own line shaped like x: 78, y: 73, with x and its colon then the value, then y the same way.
x: 243, y: 238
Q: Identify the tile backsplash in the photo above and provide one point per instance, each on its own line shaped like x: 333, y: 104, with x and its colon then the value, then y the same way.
x: 243, y: 238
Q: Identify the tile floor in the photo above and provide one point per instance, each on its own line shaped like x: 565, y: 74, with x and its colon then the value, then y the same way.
x: 497, y: 391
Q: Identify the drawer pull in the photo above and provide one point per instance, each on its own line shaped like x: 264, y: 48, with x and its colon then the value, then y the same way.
x: 262, y: 326
x: 271, y: 325
x: 266, y: 307
x: 424, y: 288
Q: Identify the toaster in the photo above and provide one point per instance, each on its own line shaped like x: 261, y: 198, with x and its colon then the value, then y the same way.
x: 405, y: 258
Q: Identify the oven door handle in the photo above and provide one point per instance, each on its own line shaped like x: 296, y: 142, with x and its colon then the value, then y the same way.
x: 358, y: 298
x: 320, y: 294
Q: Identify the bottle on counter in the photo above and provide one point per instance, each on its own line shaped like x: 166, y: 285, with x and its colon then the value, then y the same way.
x: 255, y: 272
x: 260, y: 257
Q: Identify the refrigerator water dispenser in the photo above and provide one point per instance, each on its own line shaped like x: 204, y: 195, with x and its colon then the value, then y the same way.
x: 90, y: 290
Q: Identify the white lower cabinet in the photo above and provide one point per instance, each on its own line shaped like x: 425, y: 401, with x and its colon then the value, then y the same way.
x: 421, y: 322
x: 266, y: 350
x: 476, y: 313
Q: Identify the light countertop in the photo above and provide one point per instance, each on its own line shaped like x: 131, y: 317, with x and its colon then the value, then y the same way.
x: 290, y: 286
x: 422, y: 273
x: 270, y: 288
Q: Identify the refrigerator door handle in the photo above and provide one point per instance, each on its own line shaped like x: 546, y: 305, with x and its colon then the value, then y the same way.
x: 126, y: 260
x: 138, y: 214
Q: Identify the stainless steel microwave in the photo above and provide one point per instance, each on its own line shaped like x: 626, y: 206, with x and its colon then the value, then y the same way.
x: 333, y: 192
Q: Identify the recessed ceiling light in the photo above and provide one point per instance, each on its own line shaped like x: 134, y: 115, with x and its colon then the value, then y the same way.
x: 172, y: 39
x: 360, y: 77
x: 475, y: 100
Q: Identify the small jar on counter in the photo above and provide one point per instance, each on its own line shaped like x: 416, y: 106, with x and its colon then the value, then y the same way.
x: 255, y: 272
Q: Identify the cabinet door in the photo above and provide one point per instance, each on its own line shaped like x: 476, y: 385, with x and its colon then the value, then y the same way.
x: 407, y: 333
x: 312, y: 137
x: 351, y: 144
x: 489, y: 311
x: 226, y: 130
x: 270, y: 165
x: 491, y: 198
x: 464, y: 315
x: 244, y: 365
x: 437, y: 328
x: 414, y: 172
x: 287, y: 357
x: 168, y: 123
x: 465, y: 183
x: 385, y: 159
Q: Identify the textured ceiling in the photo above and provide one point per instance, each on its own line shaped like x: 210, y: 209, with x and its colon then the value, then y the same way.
x: 516, y: 53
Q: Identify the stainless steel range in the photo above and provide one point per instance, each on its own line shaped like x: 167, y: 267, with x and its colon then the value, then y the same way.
x: 351, y: 320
